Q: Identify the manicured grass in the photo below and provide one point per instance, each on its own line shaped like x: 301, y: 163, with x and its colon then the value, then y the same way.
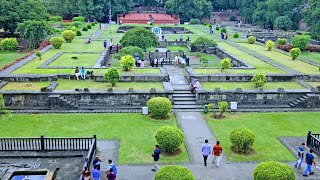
x: 72, y: 84
x: 250, y: 86
x: 20, y: 86
x: 283, y: 59
x: 266, y: 127
x: 106, y: 35
x: 261, y: 66
x: 9, y: 57
x: 314, y: 84
x: 87, y: 60
x: 135, y: 132
x: 312, y: 56
x: 178, y: 48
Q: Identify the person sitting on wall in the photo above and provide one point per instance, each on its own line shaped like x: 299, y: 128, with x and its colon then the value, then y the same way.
x: 83, y: 73
x: 77, y: 73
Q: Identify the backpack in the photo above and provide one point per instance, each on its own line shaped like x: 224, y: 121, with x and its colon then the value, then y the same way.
x: 114, y: 168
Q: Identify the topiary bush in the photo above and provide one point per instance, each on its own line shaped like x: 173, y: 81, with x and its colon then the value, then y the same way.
x: 300, y: 41
x: 84, y: 29
x: 242, y: 140
x: 68, y: 35
x: 194, y: 21
x: 112, y: 76
x: 269, y: 45
x: 217, y: 28
x: 224, y: 30
x: 93, y: 24
x: 236, y: 35
x: 281, y: 41
x: 39, y: 54
x: 78, y: 33
x: 174, y: 172
x: 56, y: 42
x: 8, y: 44
x: 251, y: 39
x: 80, y: 18
x: 89, y: 26
x: 159, y: 107
x: 259, y: 80
x: 225, y: 64
x: 169, y: 138
x: 127, y: 62
x: 295, y: 52
x: 272, y: 170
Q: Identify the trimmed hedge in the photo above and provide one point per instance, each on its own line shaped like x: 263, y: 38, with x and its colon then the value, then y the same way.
x: 174, y: 172
x: 56, y: 42
x: 300, y: 41
x: 127, y: 62
x: 295, y: 52
x: 251, y: 39
x: 159, y: 107
x: 272, y: 170
x: 9, y: 44
x: 224, y: 30
x: 169, y: 138
x: 242, y: 140
x: 68, y: 35
x: 281, y: 41
x: 269, y: 45
x: 78, y: 33
x: 89, y: 26
x: 259, y: 80
x: 84, y: 29
x: 236, y: 35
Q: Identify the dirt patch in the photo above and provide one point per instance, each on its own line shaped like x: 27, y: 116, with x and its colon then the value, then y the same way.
x: 177, y: 152
x: 249, y: 152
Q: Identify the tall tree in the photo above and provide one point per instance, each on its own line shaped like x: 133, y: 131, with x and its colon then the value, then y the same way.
x: 200, y: 8
x: 64, y: 8
x: 312, y: 17
x: 16, y: 11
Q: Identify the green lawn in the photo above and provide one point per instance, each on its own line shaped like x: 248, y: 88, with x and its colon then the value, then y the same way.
x: 312, y: 56
x: 72, y: 84
x: 314, y: 84
x: 178, y: 48
x: 135, y: 132
x: 266, y: 127
x: 20, y: 86
x: 283, y: 59
x: 250, y: 86
x: 9, y: 57
x: 261, y: 66
x: 87, y: 60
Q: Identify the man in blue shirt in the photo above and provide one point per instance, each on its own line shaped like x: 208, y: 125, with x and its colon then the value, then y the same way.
x: 83, y: 73
x: 156, y: 157
x: 300, y: 155
x: 309, y: 161
x: 206, y: 149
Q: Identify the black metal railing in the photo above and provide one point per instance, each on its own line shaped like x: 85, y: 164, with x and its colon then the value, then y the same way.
x: 92, y: 150
x: 313, y: 142
x: 45, y: 144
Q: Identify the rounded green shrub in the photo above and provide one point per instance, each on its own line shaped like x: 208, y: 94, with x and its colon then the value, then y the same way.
x: 56, y: 42
x: 159, y: 107
x: 169, y: 138
x: 68, y: 35
x: 89, y: 26
x: 84, y: 29
x: 281, y: 41
x: 300, y: 41
x: 93, y: 24
x: 112, y: 76
x: 295, y: 52
x: 236, y: 35
x: 269, y: 45
x: 272, y: 170
x: 251, y: 39
x: 259, y: 80
x: 8, y: 44
x: 174, y: 172
x: 225, y: 64
x: 78, y: 33
x: 242, y: 140
x: 127, y: 62
x: 39, y: 54
x: 224, y: 30
x: 217, y: 28
x: 194, y: 21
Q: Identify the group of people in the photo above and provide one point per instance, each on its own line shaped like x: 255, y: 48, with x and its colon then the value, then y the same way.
x: 109, y: 45
x: 95, y: 173
x: 80, y: 72
x: 309, y: 159
x: 138, y: 61
x: 179, y: 60
x: 216, y: 152
x: 224, y: 35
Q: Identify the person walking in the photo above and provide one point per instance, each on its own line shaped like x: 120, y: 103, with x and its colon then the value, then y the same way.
x: 110, y: 45
x: 216, y: 151
x: 309, y: 161
x: 83, y: 73
x: 156, y: 157
x: 112, y: 167
x: 95, y: 173
x: 206, y: 149
x: 300, y: 155
x: 117, y: 48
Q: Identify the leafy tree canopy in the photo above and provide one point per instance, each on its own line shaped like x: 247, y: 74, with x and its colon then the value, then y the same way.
x: 140, y: 37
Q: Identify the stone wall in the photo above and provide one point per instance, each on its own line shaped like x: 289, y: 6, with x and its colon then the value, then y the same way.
x: 277, y: 98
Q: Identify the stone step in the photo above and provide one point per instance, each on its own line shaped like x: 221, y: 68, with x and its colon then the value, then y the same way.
x: 292, y: 105
x: 182, y: 92
x: 185, y: 103
x: 184, y: 98
x: 183, y: 95
x: 187, y: 106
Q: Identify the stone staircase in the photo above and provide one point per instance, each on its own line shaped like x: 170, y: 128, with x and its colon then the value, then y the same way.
x: 299, y: 102
x: 183, y: 99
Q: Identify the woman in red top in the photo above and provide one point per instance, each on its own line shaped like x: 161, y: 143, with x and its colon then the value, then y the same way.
x: 86, y: 175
